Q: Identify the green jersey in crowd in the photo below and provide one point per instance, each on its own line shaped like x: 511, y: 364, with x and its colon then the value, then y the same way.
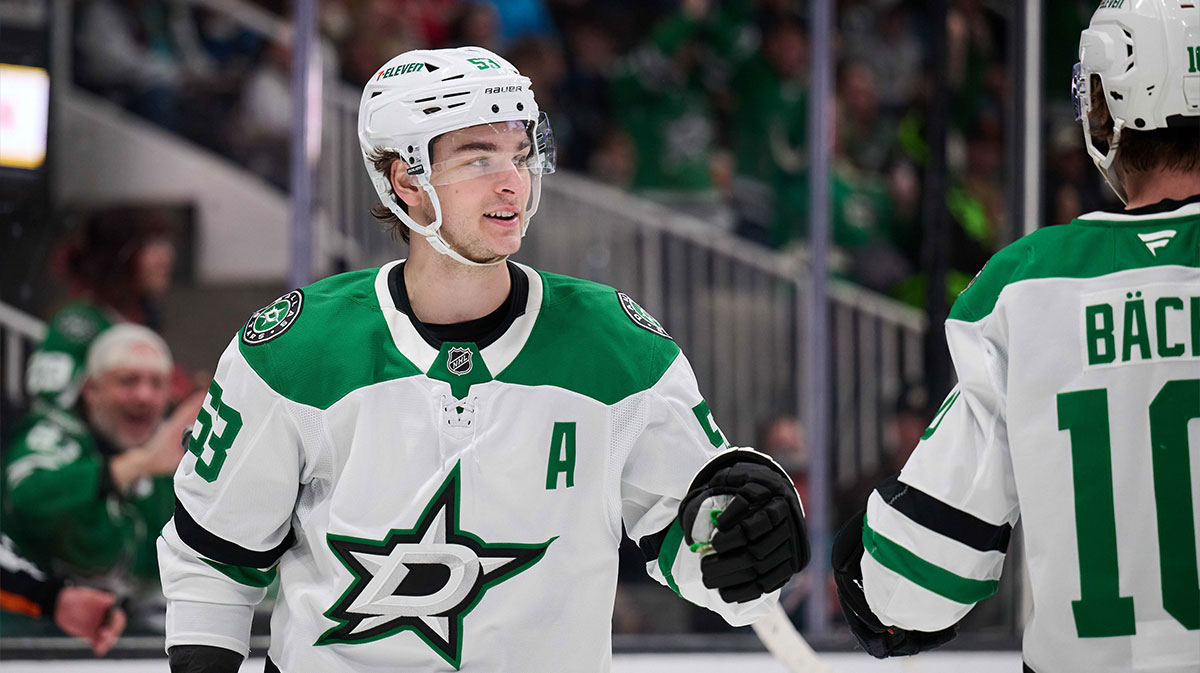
x: 62, y: 509
x: 55, y: 372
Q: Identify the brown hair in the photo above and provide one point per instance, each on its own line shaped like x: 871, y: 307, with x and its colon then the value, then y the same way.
x: 1175, y: 148
x: 383, y: 160
x: 100, y: 260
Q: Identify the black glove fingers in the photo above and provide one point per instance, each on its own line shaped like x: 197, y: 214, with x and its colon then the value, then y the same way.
x: 741, y: 474
x: 757, y: 524
x: 771, y: 550
x: 752, y: 496
x: 721, y: 565
x: 775, y: 578
x: 716, y: 575
x: 779, y: 511
x: 741, y: 593
x: 735, y: 511
x: 731, y: 540
x: 773, y: 519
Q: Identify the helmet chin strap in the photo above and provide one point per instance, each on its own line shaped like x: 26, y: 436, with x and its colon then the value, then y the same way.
x: 441, y: 245
x: 432, y: 231
x: 1104, y: 162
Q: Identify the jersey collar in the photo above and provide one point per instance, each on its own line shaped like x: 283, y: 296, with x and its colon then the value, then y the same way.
x: 497, y: 355
x: 1163, y: 210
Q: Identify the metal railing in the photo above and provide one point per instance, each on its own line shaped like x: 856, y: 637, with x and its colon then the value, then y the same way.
x: 19, y: 335
x: 733, y: 306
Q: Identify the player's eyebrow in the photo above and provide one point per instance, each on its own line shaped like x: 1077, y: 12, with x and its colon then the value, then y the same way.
x: 476, y: 146
x: 483, y: 146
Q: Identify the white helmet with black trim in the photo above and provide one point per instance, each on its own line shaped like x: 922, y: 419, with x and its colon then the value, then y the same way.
x: 421, y: 94
x: 1146, y: 54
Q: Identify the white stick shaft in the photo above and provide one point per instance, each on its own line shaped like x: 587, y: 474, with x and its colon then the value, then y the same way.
x: 787, y: 645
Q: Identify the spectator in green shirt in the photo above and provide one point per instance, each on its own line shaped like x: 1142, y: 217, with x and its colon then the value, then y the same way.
x: 88, y: 491
x: 660, y: 96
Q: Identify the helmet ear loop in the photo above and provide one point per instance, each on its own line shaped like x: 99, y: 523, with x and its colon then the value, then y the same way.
x: 1103, y: 161
x: 432, y: 228
x: 383, y: 185
x: 432, y: 232
x: 1106, y: 165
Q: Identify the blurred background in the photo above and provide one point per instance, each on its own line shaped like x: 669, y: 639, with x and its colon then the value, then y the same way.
x: 151, y: 145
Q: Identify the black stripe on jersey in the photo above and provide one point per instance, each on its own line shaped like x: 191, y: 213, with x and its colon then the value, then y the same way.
x: 223, y: 551
x: 1026, y: 669
x: 651, y: 545
x: 942, y: 518
x: 1164, y: 206
x: 271, y: 667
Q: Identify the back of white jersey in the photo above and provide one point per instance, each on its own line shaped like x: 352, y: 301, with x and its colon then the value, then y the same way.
x: 1077, y: 409
x: 1100, y: 451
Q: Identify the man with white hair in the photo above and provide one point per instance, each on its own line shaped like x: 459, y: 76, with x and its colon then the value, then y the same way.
x: 86, y: 493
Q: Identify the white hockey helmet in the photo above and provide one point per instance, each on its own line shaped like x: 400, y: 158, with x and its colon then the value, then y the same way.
x: 1146, y: 54
x: 421, y: 94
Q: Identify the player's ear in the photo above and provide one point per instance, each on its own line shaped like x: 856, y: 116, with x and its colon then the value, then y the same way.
x: 404, y: 185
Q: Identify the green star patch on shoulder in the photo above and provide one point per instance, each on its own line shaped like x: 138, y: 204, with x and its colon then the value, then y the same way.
x: 640, y: 316
x: 273, y: 319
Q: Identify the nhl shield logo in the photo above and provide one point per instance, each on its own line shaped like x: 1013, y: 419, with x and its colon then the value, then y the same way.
x: 459, y: 361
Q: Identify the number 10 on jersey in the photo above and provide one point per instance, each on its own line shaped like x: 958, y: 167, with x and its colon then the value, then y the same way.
x: 1102, y: 611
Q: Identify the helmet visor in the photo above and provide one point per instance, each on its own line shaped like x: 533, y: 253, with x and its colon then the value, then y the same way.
x: 1079, y: 91
x: 487, y: 149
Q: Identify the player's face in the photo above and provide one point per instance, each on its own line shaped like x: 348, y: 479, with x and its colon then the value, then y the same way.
x: 483, y: 182
x: 125, y: 404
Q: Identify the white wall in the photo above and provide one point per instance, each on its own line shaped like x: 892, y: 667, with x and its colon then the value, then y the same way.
x: 105, y: 155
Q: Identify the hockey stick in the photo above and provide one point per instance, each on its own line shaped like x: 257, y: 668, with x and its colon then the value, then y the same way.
x: 786, y: 644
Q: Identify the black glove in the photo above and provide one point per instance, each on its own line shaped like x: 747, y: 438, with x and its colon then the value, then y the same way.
x: 878, y: 640
x: 760, y: 540
x: 203, y: 659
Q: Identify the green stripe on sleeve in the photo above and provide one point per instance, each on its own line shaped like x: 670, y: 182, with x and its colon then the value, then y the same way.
x: 923, y: 573
x: 251, y: 577
x: 668, y: 552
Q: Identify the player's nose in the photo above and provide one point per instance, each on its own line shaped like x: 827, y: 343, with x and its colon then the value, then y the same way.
x: 511, y: 180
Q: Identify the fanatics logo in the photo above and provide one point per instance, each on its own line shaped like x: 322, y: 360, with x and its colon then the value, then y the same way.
x: 1156, y: 240
x: 459, y: 361
x: 274, y: 319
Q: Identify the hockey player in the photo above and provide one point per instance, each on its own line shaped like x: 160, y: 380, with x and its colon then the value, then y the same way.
x: 1077, y: 350
x: 437, y: 457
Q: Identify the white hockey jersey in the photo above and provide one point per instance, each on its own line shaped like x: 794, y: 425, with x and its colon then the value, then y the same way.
x: 1077, y: 350
x: 436, y: 509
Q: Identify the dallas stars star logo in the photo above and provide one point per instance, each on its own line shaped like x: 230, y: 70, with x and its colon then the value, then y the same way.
x: 271, y: 317
x: 425, y: 580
